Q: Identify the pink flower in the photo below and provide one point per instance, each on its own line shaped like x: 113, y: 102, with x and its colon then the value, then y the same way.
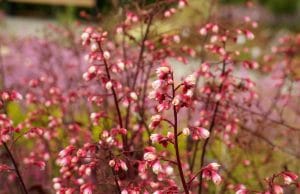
x: 162, y: 72
x: 156, y: 168
x: 67, y: 151
x: 155, y: 120
x: 200, y: 133
x: 108, y: 85
x: 216, y: 178
x: 123, y: 165
x: 155, y: 138
x: 186, y: 131
x: 4, y: 167
x: 86, y: 188
x: 289, y: 177
x: 277, y: 189
x: 149, y: 156
x: 190, y: 80
x: 213, y: 166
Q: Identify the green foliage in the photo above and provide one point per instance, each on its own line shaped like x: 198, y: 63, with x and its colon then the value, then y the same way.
x: 67, y: 16
x: 15, y: 113
x: 281, y: 6
x: 276, y: 6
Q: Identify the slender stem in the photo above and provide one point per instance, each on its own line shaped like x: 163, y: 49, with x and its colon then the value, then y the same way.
x: 202, y: 59
x: 193, y: 178
x: 179, y: 166
x: 138, y: 64
x: 2, y: 86
x: 210, y: 130
x: 115, y: 98
x: 142, y: 49
x: 115, y: 176
x: 192, y: 165
x: 16, y: 168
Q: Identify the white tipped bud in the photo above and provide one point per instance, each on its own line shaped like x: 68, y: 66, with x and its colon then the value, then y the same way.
x: 124, y: 166
x: 149, y: 156
x: 88, y: 171
x: 186, y: 131
x: 92, y: 69
x: 93, y: 115
x: 108, y: 85
x: 94, y: 46
x: 157, y: 84
x: 190, y: 79
x: 203, y: 31
x: 214, y: 166
x: 106, y: 55
x: 176, y: 101
x: 85, y: 76
x: 56, y: 186
x: 169, y: 170
x: 154, y: 138
x: 112, y: 163
x: 85, y: 36
x: 156, y: 168
x: 250, y: 35
x: 176, y: 39
x: 121, y: 65
x: 80, y: 181
x: 133, y: 96
x: 215, y: 28
x: 181, y: 4
x: 204, y: 133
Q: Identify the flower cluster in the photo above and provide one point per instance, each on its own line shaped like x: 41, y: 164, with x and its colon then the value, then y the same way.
x: 176, y: 111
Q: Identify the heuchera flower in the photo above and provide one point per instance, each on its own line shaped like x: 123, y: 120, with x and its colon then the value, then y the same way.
x: 289, y: 177
x: 210, y: 173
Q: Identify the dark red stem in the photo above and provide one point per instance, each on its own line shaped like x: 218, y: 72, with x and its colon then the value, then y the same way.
x: 24, y: 190
x: 175, y: 126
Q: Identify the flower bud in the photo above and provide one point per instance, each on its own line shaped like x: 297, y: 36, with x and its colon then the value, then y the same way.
x: 106, y: 55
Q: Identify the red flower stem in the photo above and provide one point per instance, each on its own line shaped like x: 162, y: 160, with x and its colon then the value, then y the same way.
x: 197, y: 144
x: 179, y: 166
x: 24, y: 190
x: 139, y: 62
x: 193, y: 178
x: 115, y: 175
x: 204, y: 148
x: 142, y: 49
x: 115, y: 98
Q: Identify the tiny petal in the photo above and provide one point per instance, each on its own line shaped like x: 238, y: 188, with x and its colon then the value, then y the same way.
x: 106, y: 55
x: 108, y: 85
x: 204, y: 133
x: 149, y: 156
x: 216, y: 178
x: 186, y: 131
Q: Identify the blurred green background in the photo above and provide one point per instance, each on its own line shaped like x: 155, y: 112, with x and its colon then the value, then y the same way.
x: 285, y: 7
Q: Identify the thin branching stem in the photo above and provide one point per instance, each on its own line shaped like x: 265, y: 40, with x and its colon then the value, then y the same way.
x: 11, y: 157
x: 176, y: 146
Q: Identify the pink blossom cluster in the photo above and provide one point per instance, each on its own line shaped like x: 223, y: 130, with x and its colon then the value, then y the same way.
x: 109, y: 114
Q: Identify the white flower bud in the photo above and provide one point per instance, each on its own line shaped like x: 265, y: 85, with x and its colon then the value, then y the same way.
x: 169, y: 170
x: 92, y: 69
x: 108, y: 85
x: 133, y: 96
x: 94, y: 46
x: 149, y: 156
x: 186, y: 131
x: 106, y: 55
x: 56, y: 186
x: 156, y: 168
x: 85, y: 36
